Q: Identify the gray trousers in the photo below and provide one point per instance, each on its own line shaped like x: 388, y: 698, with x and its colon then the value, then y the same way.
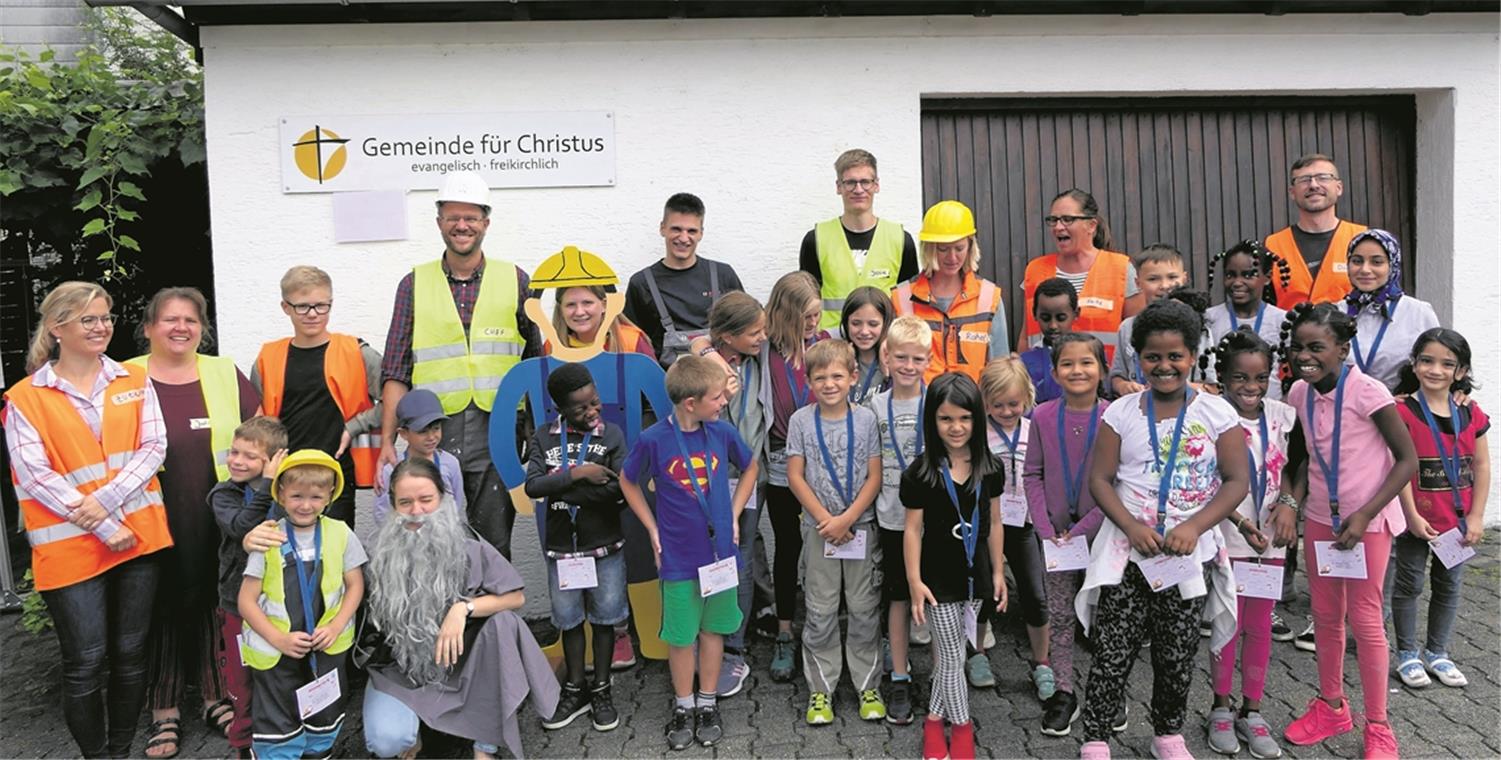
x: 825, y: 582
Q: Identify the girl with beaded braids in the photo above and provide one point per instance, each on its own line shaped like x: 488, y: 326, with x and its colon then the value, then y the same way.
x: 1387, y: 320
x: 1250, y: 300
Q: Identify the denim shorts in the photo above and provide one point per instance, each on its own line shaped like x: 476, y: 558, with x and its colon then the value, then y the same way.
x: 606, y: 603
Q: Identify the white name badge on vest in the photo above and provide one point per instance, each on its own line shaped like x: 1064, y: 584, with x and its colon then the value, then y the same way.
x: 1013, y: 510
x: 1340, y: 266
x: 1165, y: 571
x: 576, y: 574
x: 1257, y: 580
x: 1449, y: 550
x: 128, y: 397
x: 878, y: 274
x: 851, y: 549
x: 718, y: 576
x: 1072, y: 554
x: 322, y: 692
x: 1334, y: 562
x: 1096, y: 302
x: 199, y: 423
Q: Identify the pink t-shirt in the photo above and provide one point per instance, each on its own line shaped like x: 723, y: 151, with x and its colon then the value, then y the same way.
x: 1364, y: 458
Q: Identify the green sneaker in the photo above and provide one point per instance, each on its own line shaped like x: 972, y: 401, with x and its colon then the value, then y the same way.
x: 782, y: 662
x: 978, y: 671
x: 821, y: 711
x: 871, y: 706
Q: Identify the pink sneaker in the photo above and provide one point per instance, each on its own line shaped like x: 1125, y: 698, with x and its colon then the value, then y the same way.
x: 1320, y: 722
x: 1380, y: 742
x: 1095, y: 751
x: 935, y: 745
x: 1170, y: 747
x: 624, y: 655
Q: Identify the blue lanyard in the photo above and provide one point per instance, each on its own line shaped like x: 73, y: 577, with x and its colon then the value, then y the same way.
x: 870, y: 375
x: 799, y: 394
x: 703, y: 501
x: 1259, y: 477
x: 1141, y: 377
x: 1165, y: 485
x: 1452, y: 466
x: 745, y: 377
x: 968, y: 532
x: 573, y: 509
x: 306, y: 582
x: 847, y: 492
x: 1364, y: 362
x: 1330, y: 467
x: 1012, y: 444
x: 896, y: 445
x: 1235, y: 321
x: 1073, y: 484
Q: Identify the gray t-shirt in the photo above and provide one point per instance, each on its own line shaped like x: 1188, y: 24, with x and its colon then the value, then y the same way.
x: 890, y: 514
x: 802, y: 440
x: 354, y: 553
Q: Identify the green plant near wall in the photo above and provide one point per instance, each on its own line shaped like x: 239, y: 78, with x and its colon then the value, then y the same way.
x: 77, y: 138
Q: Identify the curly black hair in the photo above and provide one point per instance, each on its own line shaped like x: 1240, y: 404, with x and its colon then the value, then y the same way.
x: 1328, y: 315
x: 1167, y: 315
x: 1264, y: 257
x: 1235, y: 343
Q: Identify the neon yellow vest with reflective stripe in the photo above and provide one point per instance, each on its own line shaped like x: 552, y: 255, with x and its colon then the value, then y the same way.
x: 457, y: 368
x: 257, y: 652
x: 220, y: 382
x: 837, y: 264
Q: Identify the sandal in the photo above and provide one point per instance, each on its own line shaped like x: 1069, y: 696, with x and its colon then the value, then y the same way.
x: 219, y: 715
x: 1444, y: 670
x: 1410, y: 670
x: 165, y: 731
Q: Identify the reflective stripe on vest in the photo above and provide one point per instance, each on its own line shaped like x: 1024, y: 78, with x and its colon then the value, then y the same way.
x: 220, y: 382
x: 961, y: 337
x: 836, y: 264
x: 344, y: 373
x: 1333, y: 282
x: 457, y: 368
x: 259, y: 653
x: 1102, y: 302
x: 63, y: 554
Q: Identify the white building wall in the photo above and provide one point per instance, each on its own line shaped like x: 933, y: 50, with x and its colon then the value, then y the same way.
x: 749, y: 115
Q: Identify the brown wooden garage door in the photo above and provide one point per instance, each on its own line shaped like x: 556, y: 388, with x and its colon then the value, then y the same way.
x: 1199, y: 173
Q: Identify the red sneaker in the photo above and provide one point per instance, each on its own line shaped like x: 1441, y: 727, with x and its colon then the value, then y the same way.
x: 624, y: 655
x: 935, y: 746
x: 962, y: 741
x: 1320, y: 722
x: 1380, y: 742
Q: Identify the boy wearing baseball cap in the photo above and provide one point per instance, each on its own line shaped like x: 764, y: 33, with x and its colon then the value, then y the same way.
x: 419, y: 422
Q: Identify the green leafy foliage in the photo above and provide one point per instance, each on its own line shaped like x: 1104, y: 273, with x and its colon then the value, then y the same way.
x: 34, y: 615
x: 77, y: 139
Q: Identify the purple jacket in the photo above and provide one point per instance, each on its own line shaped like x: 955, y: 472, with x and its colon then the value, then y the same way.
x: 1042, y: 473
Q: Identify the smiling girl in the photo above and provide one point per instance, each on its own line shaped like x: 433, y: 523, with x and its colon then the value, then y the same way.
x: 866, y: 316
x: 1250, y: 300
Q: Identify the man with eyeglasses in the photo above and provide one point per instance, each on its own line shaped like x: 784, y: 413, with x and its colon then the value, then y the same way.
x: 855, y: 248
x: 457, y: 327
x: 1315, y: 246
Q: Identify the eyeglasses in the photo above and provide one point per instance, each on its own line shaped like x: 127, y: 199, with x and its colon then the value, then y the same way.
x: 863, y: 184
x: 469, y: 220
x: 1067, y: 219
x: 93, y: 322
x: 303, y: 308
x: 1322, y: 178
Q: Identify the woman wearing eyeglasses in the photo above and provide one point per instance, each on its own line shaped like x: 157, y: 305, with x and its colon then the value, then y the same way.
x: 203, y: 399
x: 86, y: 438
x: 1103, y: 278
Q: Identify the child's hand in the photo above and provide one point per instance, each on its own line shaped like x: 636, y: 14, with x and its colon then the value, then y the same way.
x: 1144, y: 540
x: 1130, y: 386
x: 1474, y: 530
x: 921, y: 598
x: 274, y: 463
x: 1254, y: 537
x: 1062, y: 538
x: 1182, y: 540
x: 294, y: 644
x: 656, y: 548
x: 344, y: 441
x: 735, y: 532
x: 834, y: 529
x: 323, y: 637
x: 998, y: 579
x: 596, y: 474
x: 263, y: 537
x: 1420, y: 528
x: 1352, y: 530
x: 1284, y: 526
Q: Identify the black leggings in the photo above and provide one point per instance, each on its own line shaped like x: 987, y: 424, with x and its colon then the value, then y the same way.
x: 786, y: 526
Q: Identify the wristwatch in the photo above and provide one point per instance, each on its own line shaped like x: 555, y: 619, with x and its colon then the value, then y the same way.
x: 468, y: 607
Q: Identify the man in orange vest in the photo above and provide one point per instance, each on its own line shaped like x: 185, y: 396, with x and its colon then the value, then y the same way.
x: 321, y: 384
x: 1315, y: 247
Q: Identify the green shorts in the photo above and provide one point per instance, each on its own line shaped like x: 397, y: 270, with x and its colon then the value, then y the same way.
x: 685, y: 613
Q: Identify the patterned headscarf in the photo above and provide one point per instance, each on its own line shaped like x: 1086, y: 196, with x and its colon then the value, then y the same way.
x: 1388, y: 293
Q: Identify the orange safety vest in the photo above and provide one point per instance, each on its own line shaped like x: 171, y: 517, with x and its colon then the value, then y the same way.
x: 1333, y: 282
x: 1102, y: 303
x: 344, y: 370
x: 961, y: 337
x: 62, y: 553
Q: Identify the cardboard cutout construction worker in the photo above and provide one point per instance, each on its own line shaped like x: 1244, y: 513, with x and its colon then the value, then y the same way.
x: 623, y: 380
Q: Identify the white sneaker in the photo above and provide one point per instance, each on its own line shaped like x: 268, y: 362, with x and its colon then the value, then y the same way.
x: 1304, y: 641
x: 919, y: 635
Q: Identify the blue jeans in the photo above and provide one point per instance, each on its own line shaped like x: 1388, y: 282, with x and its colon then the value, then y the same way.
x: 1412, y: 554
x: 391, y: 727
x: 97, y: 621
x: 605, y: 604
x: 750, y: 526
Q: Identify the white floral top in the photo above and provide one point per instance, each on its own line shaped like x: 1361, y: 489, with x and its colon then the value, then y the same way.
x: 1279, y: 422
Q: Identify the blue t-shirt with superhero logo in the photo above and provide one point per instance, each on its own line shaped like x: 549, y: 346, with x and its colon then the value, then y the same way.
x: 682, y: 526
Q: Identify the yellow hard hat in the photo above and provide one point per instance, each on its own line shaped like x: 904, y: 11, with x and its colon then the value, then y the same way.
x: 310, y: 456
x: 946, y: 222
x: 573, y: 268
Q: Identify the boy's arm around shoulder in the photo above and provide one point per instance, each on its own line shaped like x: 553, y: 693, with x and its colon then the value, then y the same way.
x: 234, y: 516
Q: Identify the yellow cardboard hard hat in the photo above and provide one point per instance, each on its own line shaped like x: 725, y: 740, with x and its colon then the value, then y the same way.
x: 946, y: 222
x: 573, y: 268
x: 314, y: 457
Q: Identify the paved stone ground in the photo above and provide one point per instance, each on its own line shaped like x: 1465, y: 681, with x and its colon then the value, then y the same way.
x: 766, y: 720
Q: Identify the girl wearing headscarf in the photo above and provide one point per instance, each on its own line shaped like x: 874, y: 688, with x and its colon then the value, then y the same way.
x: 1387, y: 321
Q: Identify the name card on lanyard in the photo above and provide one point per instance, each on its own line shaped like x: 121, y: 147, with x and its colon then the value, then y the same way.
x: 323, y: 690
x: 846, y: 490
x: 721, y: 574
x: 575, y: 573
x: 1013, y: 506
x: 1331, y: 561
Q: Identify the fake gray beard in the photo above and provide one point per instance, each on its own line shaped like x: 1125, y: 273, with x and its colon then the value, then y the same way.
x: 415, y: 576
